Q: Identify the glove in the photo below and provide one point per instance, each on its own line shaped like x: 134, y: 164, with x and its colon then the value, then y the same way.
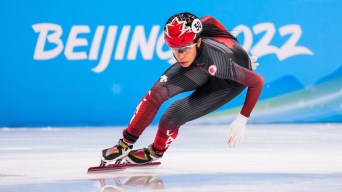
x: 253, y: 61
x: 236, y: 130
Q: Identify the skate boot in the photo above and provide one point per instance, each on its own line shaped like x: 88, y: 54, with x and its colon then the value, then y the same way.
x: 145, y: 155
x: 117, y: 153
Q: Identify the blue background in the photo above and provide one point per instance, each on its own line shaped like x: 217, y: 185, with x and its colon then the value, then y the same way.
x: 63, y: 92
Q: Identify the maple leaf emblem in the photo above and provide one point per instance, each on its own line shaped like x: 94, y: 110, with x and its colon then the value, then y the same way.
x: 176, y: 28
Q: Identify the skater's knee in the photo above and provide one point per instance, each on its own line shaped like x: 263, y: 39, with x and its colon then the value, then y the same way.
x: 169, y: 123
x: 158, y: 94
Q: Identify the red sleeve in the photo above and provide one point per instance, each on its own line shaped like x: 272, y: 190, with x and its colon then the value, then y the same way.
x: 254, y: 82
x: 227, y: 68
x: 244, y: 76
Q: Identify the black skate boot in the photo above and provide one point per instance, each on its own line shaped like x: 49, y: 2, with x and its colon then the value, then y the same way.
x: 145, y: 155
x: 117, y: 153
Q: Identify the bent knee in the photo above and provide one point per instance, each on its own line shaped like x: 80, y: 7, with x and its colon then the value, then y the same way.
x: 158, y: 94
x: 169, y: 123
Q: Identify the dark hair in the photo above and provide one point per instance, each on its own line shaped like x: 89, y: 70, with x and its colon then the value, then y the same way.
x: 213, y: 28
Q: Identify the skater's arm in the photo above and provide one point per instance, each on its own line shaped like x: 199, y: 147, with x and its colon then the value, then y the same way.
x: 254, y: 82
x: 239, y: 74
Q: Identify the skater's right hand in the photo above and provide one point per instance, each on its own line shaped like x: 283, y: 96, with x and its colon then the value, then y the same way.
x: 237, y: 130
x: 254, y: 62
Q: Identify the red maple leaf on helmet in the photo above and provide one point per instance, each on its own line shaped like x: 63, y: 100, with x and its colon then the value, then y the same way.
x: 176, y: 28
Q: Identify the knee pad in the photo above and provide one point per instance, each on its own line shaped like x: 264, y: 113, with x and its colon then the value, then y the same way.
x: 169, y: 123
x: 158, y: 94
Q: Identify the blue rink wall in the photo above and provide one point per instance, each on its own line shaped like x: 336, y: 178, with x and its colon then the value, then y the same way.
x: 77, y: 63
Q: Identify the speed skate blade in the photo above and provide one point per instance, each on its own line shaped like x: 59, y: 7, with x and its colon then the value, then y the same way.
x: 106, y: 168
x: 120, y: 166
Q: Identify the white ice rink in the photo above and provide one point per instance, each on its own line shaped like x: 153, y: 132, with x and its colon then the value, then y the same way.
x: 297, y: 157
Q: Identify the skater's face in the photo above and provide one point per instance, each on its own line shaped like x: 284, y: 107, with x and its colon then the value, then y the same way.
x: 185, y: 55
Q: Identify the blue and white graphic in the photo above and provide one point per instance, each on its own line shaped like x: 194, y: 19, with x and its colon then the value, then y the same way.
x: 89, y: 63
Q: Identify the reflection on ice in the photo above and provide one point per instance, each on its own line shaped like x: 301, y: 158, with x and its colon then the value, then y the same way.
x: 304, y: 157
x: 224, y: 182
x: 137, y: 183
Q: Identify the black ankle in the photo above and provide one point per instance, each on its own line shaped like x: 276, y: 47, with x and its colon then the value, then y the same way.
x: 158, y: 153
x: 129, y: 138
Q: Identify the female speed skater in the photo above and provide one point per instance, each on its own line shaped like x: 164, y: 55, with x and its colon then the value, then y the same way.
x: 210, y: 62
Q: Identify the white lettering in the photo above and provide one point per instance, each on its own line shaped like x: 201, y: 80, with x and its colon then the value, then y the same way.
x: 120, y: 50
x: 95, y: 46
x: 247, y: 36
x: 107, y: 50
x: 54, y: 38
x: 263, y: 47
x: 289, y: 48
x: 73, y: 42
x: 49, y: 43
x: 139, y: 41
x: 170, y: 139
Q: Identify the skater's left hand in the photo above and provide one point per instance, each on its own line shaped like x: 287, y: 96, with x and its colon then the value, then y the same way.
x: 237, y: 130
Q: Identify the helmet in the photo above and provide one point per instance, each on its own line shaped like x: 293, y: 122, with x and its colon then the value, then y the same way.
x: 181, y: 29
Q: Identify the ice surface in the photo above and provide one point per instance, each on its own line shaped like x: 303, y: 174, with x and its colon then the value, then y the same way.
x: 276, y: 157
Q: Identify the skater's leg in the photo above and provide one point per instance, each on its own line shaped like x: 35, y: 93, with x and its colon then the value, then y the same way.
x: 204, y: 100
x: 175, y: 80
x: 179, y: 80
x: 145, y: 112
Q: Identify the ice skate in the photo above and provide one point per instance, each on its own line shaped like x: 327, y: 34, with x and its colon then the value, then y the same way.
x: 116, y: 153
x: 143, y: 156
